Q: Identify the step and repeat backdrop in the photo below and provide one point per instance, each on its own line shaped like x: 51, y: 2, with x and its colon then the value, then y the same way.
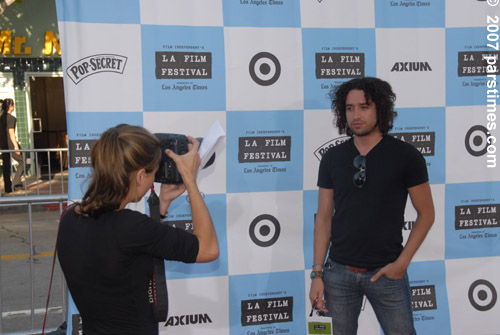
x: 263, y: 70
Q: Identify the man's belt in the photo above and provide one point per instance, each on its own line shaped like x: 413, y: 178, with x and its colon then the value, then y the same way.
x: 355, y: 269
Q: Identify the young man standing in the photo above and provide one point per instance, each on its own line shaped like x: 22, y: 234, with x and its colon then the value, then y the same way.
x: 363, y: 188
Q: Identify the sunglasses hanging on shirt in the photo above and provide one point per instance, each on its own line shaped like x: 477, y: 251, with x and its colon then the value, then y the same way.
x: 359, y: 177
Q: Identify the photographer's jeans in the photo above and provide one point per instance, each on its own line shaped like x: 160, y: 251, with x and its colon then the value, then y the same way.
x: 390, y: 299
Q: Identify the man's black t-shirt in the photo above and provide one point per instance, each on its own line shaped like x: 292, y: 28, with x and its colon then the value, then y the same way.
x: 368, y: 221
x: 108, y: 263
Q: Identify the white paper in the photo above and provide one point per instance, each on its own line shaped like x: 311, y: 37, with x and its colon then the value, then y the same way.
x: 210, y: 141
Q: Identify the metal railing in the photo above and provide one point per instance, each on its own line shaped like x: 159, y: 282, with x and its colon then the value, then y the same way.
x: 30, y: 201
x: 43, y: 185
x: 38, y: 172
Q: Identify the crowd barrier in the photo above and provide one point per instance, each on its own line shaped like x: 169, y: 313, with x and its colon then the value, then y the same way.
x: 44, y: 188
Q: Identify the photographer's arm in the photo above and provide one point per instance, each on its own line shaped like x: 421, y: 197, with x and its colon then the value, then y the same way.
x: 203, y: 227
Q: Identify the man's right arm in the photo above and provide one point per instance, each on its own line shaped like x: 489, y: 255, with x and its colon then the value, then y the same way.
x: 322, y: 232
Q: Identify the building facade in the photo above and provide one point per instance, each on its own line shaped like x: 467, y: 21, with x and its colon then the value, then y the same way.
x: 31, y: 71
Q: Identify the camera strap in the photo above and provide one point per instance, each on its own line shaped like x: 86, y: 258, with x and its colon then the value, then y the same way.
x: 158, y: 294
x: 66, y: 210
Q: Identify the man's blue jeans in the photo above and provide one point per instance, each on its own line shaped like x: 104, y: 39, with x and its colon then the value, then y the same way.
x: 390, y: 299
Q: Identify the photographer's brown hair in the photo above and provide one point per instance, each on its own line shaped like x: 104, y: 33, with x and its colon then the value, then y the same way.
x: 119, y: 153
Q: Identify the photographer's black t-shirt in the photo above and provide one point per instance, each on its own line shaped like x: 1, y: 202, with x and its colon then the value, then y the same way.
x: 367, y: 223
x: 108, y: 264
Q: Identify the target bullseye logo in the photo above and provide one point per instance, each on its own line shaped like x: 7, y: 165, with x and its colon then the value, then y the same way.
x: 265, y: 230
x: 482, y: 295
x: 265, y: 68
x: 476, y: 140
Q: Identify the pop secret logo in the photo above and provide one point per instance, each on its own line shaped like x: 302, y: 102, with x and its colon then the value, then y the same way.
x: 96, y: 64
x: 330, y: 144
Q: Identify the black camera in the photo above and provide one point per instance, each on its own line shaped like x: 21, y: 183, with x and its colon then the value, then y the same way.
x: 167, y: 172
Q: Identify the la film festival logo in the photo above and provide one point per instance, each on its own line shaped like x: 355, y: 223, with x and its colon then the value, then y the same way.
x: 477, y: 63
x: 423, y: 298
x: 264, y: 230
x: 265, y: 68
x: 266, y: 311
x: 477, y: 217
x: 425, y: 142
x: 79, y: 151
x: 258, y: 149
x: 340, y: 65
x: 183, y: 65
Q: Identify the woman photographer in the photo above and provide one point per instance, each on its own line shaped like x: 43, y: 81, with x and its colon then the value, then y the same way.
x: 106, y: 251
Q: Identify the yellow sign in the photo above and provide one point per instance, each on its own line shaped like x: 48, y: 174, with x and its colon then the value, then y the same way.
x: 6, y: 44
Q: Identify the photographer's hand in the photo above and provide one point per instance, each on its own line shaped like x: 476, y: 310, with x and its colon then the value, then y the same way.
x: 203, y: 227
x: 187, y: 164
x: 169, y: 192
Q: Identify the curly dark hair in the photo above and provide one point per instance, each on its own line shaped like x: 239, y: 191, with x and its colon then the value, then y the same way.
x: 376, y: 90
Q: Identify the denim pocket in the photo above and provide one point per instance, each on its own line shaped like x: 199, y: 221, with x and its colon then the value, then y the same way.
x: 395, y: 279
x: 330, y: 265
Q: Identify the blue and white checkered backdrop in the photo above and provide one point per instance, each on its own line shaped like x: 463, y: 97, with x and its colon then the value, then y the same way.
x: 263, y: 70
